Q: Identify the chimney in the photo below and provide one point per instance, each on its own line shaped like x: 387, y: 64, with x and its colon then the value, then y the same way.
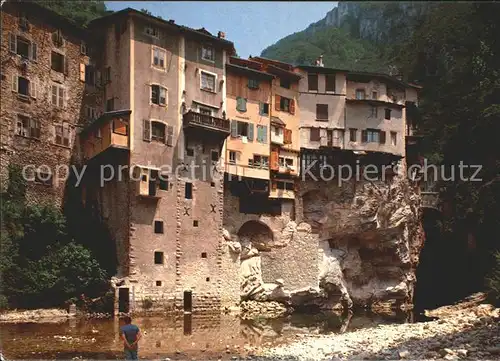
x: 320, y: 61
x: 171, y: 21
x: 221, y: 35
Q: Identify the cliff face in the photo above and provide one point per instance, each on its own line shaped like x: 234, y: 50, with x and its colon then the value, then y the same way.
x: 354, y: 244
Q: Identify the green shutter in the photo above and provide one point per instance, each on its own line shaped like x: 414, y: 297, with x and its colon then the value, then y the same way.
x: 234, y: 128
x: 250, y: 132
x: 261, y: 108
x: 264, y: 134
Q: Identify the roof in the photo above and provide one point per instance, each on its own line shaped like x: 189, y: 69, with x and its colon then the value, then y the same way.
x: 277, y: 63
x: 383, y: 76
x: 376, y: 102
x: 277, y: 121
x: 203, y: 33
x: 105, y: 116
x: 280, y: 72
x: 238, y: 68
x: 321, y: 69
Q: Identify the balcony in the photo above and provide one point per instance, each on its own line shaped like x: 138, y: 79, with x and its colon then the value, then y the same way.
x: 204, y: 122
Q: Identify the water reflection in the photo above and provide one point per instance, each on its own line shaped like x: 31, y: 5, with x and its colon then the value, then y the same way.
x: 174, y: 336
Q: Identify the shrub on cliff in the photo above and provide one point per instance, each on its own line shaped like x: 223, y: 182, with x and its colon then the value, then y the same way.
x: 494, y: 281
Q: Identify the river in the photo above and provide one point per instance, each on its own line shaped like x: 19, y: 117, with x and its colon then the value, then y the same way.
x: 177, y: 337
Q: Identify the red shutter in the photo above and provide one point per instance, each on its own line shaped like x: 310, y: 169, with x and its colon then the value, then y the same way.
x: 292, y: 106
x: 274, y: 159
x: 288, y: 136
x: 277, y: 101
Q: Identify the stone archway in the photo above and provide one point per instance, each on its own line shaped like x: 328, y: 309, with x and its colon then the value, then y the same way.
x: 256, y: 233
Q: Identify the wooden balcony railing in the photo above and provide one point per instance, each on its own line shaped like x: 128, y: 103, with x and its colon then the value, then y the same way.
x: 194, y: 119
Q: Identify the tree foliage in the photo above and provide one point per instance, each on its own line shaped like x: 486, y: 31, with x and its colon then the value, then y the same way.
x: 80, y: 12
x: 40, y: 264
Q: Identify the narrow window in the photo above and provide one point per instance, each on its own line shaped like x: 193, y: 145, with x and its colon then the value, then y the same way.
x: 321, y: 111
x: 330, y: 82
x: 374, y: 112
x: 242, y: 129
x: 159, y: 257
x: 387, y: 114
x: 315, y: 134
x: 163, y: 182
x: 188, y: 190
x: 207, y: 81
x: 23, y: 86
x: 158, y: 95
x: 207, y: 279
x: 214, y: 155
x: 159, y: 227
x: 232, y: 157
x: 253, y: 83
x: 190, y: 152
x: 57, y: 62
x: 360, y: 94
x: 241, y: 104
x: 374, y: 95
x: 284, y: 104
x: 204, y: 255
x: 58, y: 94
x: 352, y: 134
x: 195, y: 223
x: 264, y: 109
x: 312, y: 82
x: 394, y: 138
x: 207, y: 53
x: 158, y: 283
x: 23, y: 47
x: 62, y: 134
x: 158, y: 132
x: 212, y: 184
x: 159, y: 56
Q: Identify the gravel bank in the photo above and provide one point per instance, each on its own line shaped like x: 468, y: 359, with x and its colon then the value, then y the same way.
x: 468, y: 330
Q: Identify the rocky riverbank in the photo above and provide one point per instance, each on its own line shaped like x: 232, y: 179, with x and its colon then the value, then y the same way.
x: 38, y: 315
x: 468, y: 330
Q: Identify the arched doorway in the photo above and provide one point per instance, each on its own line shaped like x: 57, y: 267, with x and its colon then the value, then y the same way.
x: 256, y: 233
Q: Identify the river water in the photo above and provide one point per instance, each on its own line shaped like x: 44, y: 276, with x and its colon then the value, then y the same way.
x: 177, y: 337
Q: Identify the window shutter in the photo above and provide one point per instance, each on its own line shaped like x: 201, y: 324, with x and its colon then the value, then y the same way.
x: 382, y: 137
x: 274, y: 160
x: 146, y: 135
x: 33, y: 88
x: 250, y: 132
x: 292, y: 106
x: 66, y: 66
x: 244, y: 104
x: 277, y: 100
x: 82, y: 72
x: 34, y: 51
x: 170, y: 135
x: 288, y: 136
x: 364, y: 136
x: 12, y: 43
x: 65, y: 97
x: 264, y: 134
x: 15, y: 83
x: 238, y: 103
x: 234, y: 128
x: 261, y: 108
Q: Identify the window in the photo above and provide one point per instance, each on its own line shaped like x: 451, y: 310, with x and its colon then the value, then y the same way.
x: 44, y: 178
x: 89, y: 75
x: 285, y: 83
x: 158, y: 95
x: 204, y: 255
x: 260, y: 161
x: 190, y: 152
x: 28, y: 127
x: 264, y: 109
x: 241, y: 104
x: 204, y: 110
x: 83, y: 48
x: 262, y: 134
x: 158, y: 255
x: 63, y: 134
x: 387, y: 114
x: 159, y: 57
x: 90, y: 112
x: 374, y: 112
x: 158, y: 283
x: 188, y: 190
x: 57, y: 62
x: 373, y: 136
x: 284, y: 104
x: 57, y: 39
x: 195, y: 223
x: 330, y: 82
x: 158, y: 132
x: 285, y: 185
x: 207, y: 53
x: 360, y: 94
x: 394, y: 138
x: 321, y: 111
x: 163, y: 182
x: 277, y: 131
x: 110, y: 104
x: 374, y: 95
x: 285, y: 162
x: 23, y: 47
x: 158, y: 227
x: 58, y: 95
x: 21, y: 85
x: 107, y: 75
x: 242, y: 129
x: 214, y: 155
x: 312, y: 82
x: 253, y: 83
x: 352, y: 134
x: 151, y: 31
x: 315, y: 134
x: 232, y: 157
x: 207, y: 81
x: 120, y: 126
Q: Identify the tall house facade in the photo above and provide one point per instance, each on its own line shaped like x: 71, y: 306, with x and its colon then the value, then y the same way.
x: 43, y: 97
x: 161, y: 129
x: 285, y: 121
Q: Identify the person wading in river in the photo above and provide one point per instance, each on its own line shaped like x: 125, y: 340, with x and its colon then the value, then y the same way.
x: 130, y: 335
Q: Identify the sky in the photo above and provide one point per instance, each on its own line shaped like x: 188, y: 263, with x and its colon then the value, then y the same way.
x: 251, y: 26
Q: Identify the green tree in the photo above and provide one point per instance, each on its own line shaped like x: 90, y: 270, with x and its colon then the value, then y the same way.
x: 80, y: 12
